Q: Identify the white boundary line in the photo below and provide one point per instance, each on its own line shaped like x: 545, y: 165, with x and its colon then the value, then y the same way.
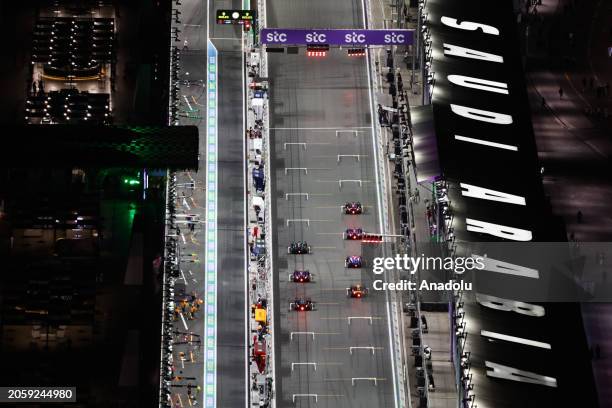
x: 379, y: 203
x: 247, y: 383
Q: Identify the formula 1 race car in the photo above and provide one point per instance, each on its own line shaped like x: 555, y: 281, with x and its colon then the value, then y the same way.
x: 357, y: 291
x: 300, y: 276
x: 352, y: 208
x: 298, y: 248
x: 353, y: 234
x: 353, y: 261
x: 302, y: 305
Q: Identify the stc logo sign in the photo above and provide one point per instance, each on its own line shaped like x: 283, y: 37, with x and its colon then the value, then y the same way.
x: 354, y: 38
x: 276, y: 37
x: 316, y: 38
x: 394, y: 38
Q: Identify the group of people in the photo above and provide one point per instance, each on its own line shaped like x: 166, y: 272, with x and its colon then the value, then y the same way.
x: 395, y: 86
x: 188, y: 306
x: 255, y: 133
x: 193, y: 391
x: 383, y: 116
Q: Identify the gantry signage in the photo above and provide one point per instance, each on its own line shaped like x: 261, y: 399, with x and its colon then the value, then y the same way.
x: 236, y: 16
x: 293, y: 36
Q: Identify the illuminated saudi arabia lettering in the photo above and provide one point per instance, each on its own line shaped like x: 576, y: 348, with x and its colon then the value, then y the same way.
x: 479, y: 83
x: 510, y: 373
x: 488, y: 194
x: 486, y: 143
x: 469, y: 25
x: 514, y: 339
x: 482, y: 115
x: 495, y: 265
x: 457, y: 51
x: 509, y: 305
x: 497, y: 230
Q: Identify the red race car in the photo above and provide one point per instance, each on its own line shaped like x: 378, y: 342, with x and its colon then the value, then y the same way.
x: 352, y: 208
x: 300, y: 276
x: 357, y: 291
x: 353, y: 234
x: 302, y: 305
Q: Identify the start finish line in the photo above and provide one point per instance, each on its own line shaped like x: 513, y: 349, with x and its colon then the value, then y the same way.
x: 291, y: 36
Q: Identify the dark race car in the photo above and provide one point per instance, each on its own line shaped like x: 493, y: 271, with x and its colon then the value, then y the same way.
x: 302, y: 305
x: 298, y: 248
x: 352, y: 208
x: 353, y: 261
x: 300, y: 276
x: 357, y: 291
x: 353, y: 234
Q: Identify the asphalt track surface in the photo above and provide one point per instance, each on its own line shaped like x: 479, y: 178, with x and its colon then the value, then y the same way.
x: 231, y: 296
x: 312, y: 99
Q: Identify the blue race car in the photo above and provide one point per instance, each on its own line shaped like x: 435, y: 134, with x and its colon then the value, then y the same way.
x: 298, y: 248
x: 353, y: 261
x: 300, y: 276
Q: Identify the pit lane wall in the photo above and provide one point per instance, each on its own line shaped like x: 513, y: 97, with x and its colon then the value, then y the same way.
x: 383, y: 182
x: 259, y: 229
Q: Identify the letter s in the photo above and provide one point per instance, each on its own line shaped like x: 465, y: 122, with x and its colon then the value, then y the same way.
x: 469, y: 25
x: 480, y: 263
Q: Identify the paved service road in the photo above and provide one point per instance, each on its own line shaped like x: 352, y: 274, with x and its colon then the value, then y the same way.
x: 231, y: 289
x: 323, y: 103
